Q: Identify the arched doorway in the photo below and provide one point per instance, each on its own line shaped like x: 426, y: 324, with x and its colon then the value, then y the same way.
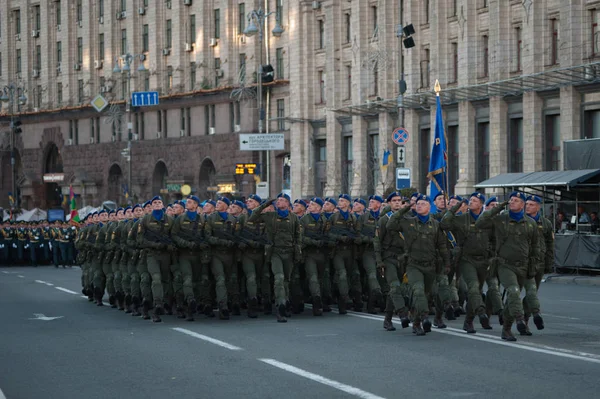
x: 207, y: 179
x: 159, y: 177
x: 115, y: 181
x: 53, y: 164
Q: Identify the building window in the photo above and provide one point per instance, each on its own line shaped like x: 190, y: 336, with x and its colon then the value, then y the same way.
x: 373, y: 163
x: 192, y: 76
x: 348, y: 156
x: 454, y: 76
x: 555, y: 26
x: 169, y: 34
x: 182, y: 119
x: 165, y: 123
x: 321, y: 26
x: 38, y: 57
x: 80, y: 91
x: 375, y: 77
x: 188, y: 123
x: 321, y: 150
x: 213, y: 116
x: 74, y: 131
x: 217, y: 72
x: 242, y: 74
x: 552, y: 152
x: 80, y: 50
x: 279, y: 10
x: 79, y: 10
x: 279, y: 62
x: 142, y: 131
x: 425, y: 151
x: 38, y: 96
x: 594, y: 39
x: 58, y: 13
x: 516, y: 145
x: 453, y: 159
x: 59, y: 93
x: 322, y: 87
x: 485, y: 56
x: 18, y: 61
x: 483, y: 151
x: 101, y: 46
x: 426, y: 10
x: 206, y: 119
x: 281, y: 115
x: 159, y: 122
x: 241, y: 18
x: 123, y: 89
x: 375, y: 20
x: 348, y: 27
x: 217, y: 15
x: 145, y: 39
x: 592, y: 125
x: 518, y: 49
x: 454, y: 8
x: 425, y: 68
x: 193, y: 28
x: 238, y: 113
x: 169, y: 81
x: 123, y: 5
x: 18, y: 22
x: 37, y: 18
x: 0, y: 64
x: 348, y: 82
x: 484, y: 3
x: 123, y: 41
x: 100, y: 8
x: 146, y: 82
x: 231, y: 117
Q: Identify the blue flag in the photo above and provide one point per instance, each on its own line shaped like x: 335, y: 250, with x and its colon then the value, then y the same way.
x: 439, y: 156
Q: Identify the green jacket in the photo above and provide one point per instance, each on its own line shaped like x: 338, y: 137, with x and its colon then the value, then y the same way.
x: 284, y: 232
x: 154, y: 234
x: 545, y: 236
x: 221, y: 232
x: 253, y: 232
x: 313, y: 231
x: 188, y: 233
x: 473, y: 241
x: 343, y: 230
x: 367, y: 227
x: 388, y: 241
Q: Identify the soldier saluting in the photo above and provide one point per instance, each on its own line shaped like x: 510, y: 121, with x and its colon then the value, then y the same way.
x: 516, y: 248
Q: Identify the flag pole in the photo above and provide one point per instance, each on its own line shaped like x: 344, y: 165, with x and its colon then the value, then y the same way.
x: 438, y: 88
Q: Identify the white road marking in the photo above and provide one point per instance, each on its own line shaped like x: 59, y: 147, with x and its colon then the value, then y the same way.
x: 321, y: 335
x: 41, y: 316
x: 20, y: 276
x: 359, y: 393
x: 588, y: 302
x: 44, y: 282
x: 5, y: 272
x: 561, y: 317
x: 66, y: 290
x: 549, y: 350
x: 2, y: 395
x: 208, y: 339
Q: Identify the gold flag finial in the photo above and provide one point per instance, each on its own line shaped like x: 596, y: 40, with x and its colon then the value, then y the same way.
x: 437, y: 88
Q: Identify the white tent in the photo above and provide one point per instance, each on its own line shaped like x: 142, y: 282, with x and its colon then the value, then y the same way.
x: 32, y: 215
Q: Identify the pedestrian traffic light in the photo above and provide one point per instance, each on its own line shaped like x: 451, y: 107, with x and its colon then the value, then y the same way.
x: 268, y: 73
x: 16, y: 126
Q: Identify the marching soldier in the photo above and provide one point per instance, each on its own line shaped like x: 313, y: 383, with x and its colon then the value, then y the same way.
x: 516, y: 251
x: 109, y: 255
x: 493, y: 300
x: 285, y: 233
x: 358, y: 207
x: 299, y: 208
x: 543, y: 262
x: 123, y: 232
x: 35, y: 241
x: 175, y: 289
x: 368, y: 222
x: 115, y: 246
x: 136, y: 265
x: 99, y: 256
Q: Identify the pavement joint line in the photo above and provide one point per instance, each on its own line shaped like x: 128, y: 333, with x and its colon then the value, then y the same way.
x: 66, y: 290
x: 222, y: 344
x: 320, y: 379
x: 44, y: 282
x: 586, y: 302
x: 550, y: 350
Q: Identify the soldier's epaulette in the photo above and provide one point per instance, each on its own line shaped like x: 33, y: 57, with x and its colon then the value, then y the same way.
x: 389, y: 214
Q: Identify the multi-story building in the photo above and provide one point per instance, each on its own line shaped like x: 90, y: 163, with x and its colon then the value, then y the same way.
x: 193, y: 52
x: 518, y: 78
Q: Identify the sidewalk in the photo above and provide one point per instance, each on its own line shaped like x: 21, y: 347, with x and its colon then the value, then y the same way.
x: 572, y: 279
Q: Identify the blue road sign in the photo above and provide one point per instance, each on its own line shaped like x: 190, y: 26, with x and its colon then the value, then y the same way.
x: 144, y: 98
x: 402, y: 178
x: 400, y: 136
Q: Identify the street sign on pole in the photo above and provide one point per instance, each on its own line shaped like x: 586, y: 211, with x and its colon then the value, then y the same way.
x: 99, y: 103
x: 402, y: 178
x: 144, y: 98
x: 400, y: 155
x: 262, y: 142
x: 400, y: 136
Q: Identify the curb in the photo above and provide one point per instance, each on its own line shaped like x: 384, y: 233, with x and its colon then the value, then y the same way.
x: 575, y: 280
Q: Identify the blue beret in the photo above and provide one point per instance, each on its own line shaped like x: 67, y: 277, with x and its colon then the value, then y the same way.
x: 346, y: 197
x: 301, y: 202
x: 137, y: 206
x: 457, y: 197
x: 423, y: 197
x: 127, y: 208
x: 376, y: 198
x: 284, y: 195
x: 490, y: 200
x: 255, y: 198
x: 211, y: 202
x: 394, y: 194
x: 121, y: 210
x: 101, y: 212
x: 415, y: 195
x: 519, y: 195
x: 360, y: 201
x: 112, y: 212
x: 169, y: 205
x: 479, y: 196
x: 534, y: 198
x: 317, y: 201
x: 147, y: 203
x: 331, y: 201
x: 156, y: 198
x: 194, y: 198
x: 239, y: 203
x: 179, y: 202
x: 438, y: 194
x: 225, y: 200
x: 263, y: 201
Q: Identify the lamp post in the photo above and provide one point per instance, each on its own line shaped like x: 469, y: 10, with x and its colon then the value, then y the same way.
x: 127, y: 61
x: 10, y: 93
x: 256, y: 24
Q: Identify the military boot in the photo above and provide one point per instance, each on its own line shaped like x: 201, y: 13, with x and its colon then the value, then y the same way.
x: 208, y: 311
x: 112, y: 300
x: 417, y: 329
x: 438, y: 321
x: 167, y: 308
x: 158, y: 310
x: 180, y: 313
x: 539, y: 322
x: 267, y: 306
x: 357, y: 302
x: 317, y: 306
x: 121, y: 300
x: 387, y: 322
x: 128, y: 303
x: 191, y: 309
x: 501, y: 317
x: 404, y: 319
x: 98, y: 294
x: 281, y: 311
x: 522, y: 326
x: 297, y: 304
x: 146, y: 310
x: 449, y: 312
x: 374, y: 299
x: 252, y: 306
x: 326, y: 303
x: 236, y: 309
x: 342, y: 303
x: 223, y: 311
x: 135, y: 306
x: 484, y: 320
x: 426, y: 325
x: 507, y: 334
x: 527, y: 330
x: 468, y: 326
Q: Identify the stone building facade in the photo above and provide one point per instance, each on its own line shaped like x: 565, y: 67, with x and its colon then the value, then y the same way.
x: 518, y: 78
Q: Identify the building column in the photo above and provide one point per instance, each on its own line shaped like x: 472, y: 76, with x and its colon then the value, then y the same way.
x: 498, y: 136
x: 467, y: 161
x: 387, y: 124
x: 570, y: 114
x: 360, y: 169
x: 411, y: 123
x: 532, y: 132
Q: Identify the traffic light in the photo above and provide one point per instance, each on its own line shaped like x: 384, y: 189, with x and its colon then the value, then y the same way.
x: 16, y: 126
x: 268, y: 73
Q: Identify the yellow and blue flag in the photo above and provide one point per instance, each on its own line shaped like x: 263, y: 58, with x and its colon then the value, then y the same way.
x: 439, y: 156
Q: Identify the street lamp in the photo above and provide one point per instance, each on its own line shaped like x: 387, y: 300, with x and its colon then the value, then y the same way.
x: 10, y: 94
x: 256, y: 24
x: 127, y: 61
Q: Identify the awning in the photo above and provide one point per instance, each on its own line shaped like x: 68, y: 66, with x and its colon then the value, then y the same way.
x: 566, y: 178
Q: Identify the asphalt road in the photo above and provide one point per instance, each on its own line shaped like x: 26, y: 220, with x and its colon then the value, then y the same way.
x: 90, y: 352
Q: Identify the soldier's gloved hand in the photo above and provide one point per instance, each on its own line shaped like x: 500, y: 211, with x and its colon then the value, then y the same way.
x: 381, y: 268
x: 242, y: 246
x: 358, y: 241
